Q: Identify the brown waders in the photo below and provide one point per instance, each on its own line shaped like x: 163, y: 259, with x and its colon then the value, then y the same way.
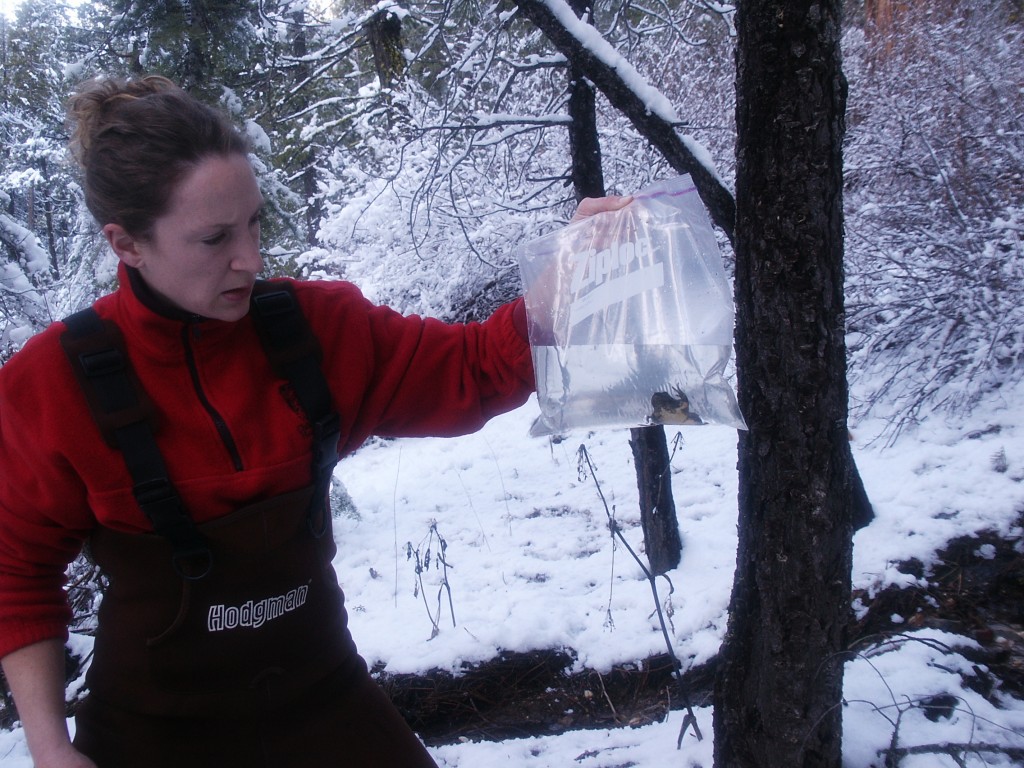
x: 251, y: 665
x: 226, y: 644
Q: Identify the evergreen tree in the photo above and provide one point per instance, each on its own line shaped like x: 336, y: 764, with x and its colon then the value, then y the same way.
x: 37, y: 194
x: 305, y: 96
x: 33, y: 137
x: 200, y: 44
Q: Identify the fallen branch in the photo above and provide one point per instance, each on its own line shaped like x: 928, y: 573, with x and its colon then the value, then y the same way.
x: 955, y: 751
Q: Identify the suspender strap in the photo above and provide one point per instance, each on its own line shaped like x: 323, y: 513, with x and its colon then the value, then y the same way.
x: 127, y: 419
x: 295, y: 355
x: 95, y: 349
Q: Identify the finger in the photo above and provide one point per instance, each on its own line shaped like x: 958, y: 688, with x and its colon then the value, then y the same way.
x: 589, y: 206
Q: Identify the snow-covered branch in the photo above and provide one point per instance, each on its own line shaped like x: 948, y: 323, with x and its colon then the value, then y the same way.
x: 647, y: 109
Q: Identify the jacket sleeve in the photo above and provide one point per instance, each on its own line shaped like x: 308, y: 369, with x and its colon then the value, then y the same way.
x: 407, y: 376
x: 43, y: 512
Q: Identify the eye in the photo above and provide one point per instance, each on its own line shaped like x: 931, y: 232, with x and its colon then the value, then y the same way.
x: 215, y: 240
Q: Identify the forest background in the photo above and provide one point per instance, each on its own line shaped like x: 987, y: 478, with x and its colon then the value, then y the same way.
x: 411, y: 149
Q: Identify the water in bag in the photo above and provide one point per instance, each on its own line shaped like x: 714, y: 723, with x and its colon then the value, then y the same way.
x: 631, y: 317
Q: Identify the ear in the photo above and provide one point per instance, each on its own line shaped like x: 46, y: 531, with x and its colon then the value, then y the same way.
x: 124, y: 245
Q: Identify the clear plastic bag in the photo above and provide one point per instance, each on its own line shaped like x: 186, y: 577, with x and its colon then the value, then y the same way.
x: 631, y: 317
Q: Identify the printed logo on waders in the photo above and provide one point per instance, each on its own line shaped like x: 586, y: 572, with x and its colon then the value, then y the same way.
x: 255, y: 613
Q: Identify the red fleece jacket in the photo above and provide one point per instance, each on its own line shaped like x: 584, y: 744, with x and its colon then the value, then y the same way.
x: 390, y: 375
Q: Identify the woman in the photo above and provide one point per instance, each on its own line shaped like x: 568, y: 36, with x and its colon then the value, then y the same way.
x: 232, y: 648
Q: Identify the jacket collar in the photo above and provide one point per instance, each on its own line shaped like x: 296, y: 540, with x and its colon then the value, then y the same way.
x: 148, y: 299
x: 156, y: 327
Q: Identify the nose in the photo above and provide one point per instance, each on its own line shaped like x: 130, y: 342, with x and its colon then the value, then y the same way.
x: 248, y: 257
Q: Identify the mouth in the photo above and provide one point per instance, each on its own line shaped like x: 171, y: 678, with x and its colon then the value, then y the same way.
x: 238, y: 294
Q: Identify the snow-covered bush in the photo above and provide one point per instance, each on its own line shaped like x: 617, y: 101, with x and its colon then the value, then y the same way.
x: 935, y: 209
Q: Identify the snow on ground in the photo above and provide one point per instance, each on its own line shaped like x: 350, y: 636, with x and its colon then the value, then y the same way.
x: 531, y: 565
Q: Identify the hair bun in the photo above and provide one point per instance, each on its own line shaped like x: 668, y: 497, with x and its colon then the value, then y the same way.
x: 136, y: 139
x: 95, y: 106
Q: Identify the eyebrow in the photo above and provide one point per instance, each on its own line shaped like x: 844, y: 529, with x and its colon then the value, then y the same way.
x: 227, y: 225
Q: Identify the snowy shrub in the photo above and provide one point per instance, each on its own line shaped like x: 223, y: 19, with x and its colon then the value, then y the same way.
x: 935, y: 210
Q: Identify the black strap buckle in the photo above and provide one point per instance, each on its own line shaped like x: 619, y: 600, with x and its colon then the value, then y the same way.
x: 321, y: 502
x: 326, y: 434
x: 193, y: 564
x: 159, y: 501
x: 161, y: 504
x: 102, y: 363
x: 274, y: 304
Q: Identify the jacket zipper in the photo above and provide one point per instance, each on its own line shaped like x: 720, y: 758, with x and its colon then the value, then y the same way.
x: 218, y: 420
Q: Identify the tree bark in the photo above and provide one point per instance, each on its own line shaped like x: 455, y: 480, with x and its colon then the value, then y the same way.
x: 658, y: 519
x: 584, y: 144
x: 51, y: 236
x: 779, y: 688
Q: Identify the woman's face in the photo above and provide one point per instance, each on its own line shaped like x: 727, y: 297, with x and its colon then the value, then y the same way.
x: 203, y: 254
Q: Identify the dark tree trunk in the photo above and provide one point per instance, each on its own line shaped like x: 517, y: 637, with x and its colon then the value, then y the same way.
x: 657, y: 506
x: 313, y: 212
x: 650, y: 446
x: 779, y: 688
x: 195, y: 68
x: 384, y: 31
x: 51, y: 235
x: 584, y: 144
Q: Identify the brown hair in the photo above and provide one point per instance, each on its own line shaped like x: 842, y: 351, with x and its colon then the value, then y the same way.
x: 135, y: 140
